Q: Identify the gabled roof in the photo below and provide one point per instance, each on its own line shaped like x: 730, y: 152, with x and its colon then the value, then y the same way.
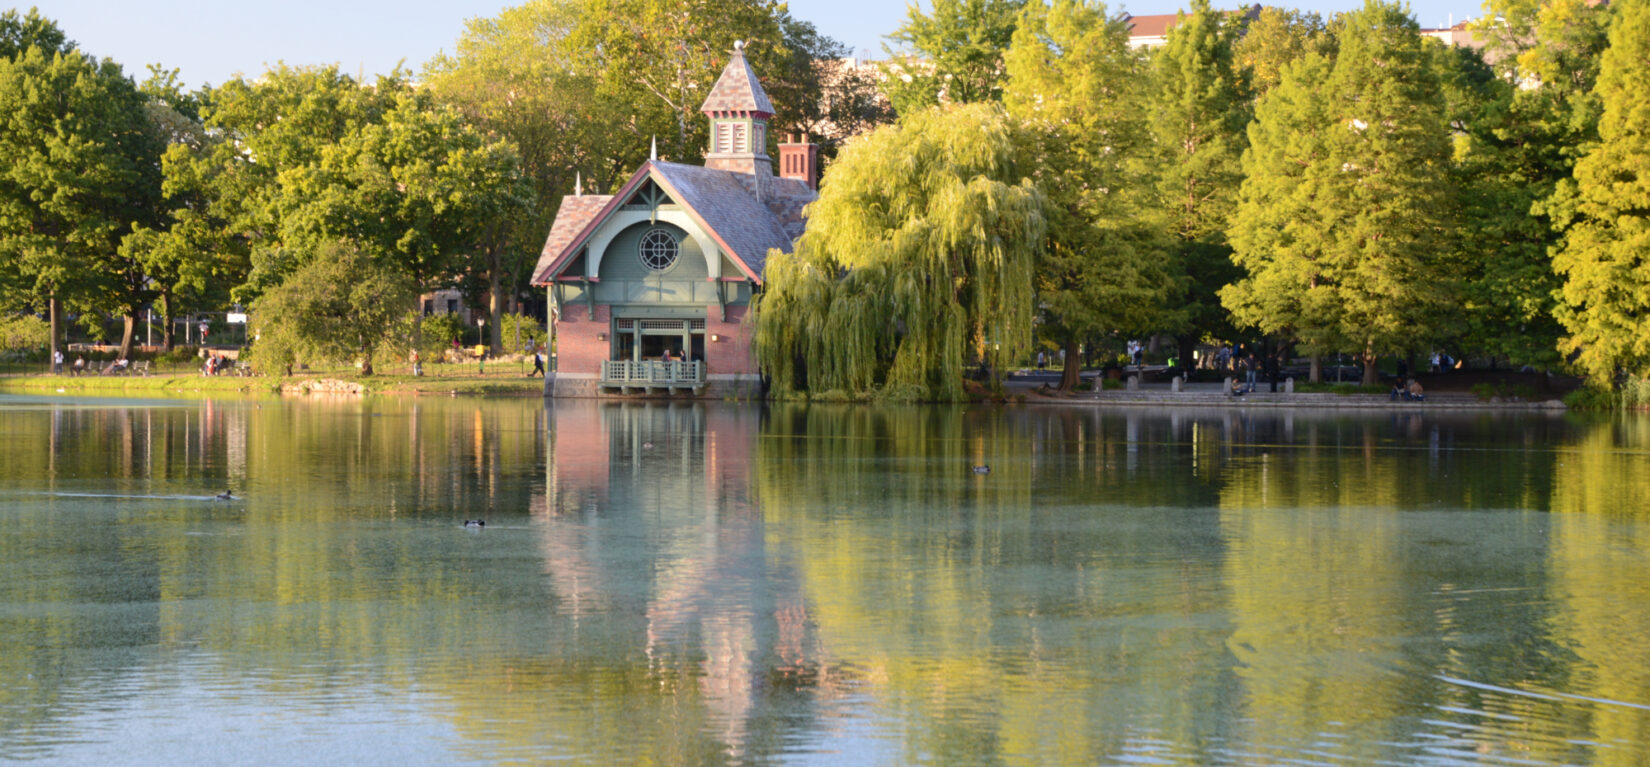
x: 722, y: 202
x: 738, y: 90
x: 1156, y: 25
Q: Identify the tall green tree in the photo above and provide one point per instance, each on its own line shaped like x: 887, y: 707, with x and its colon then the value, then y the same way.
x: 922, y: 245
x: 304, y: 157
x: 1075, y: 87
x: 660, y: 58
x: 1355, y: 242
x: 78, y: 167
x: 1517, y: 152
x: 265, y: 135
x: 951, y: 54
x: 1279, y: 230
x: 1200, y: 106
x: 187, y: 262
x: 420, y: 189
x: 1605, y: 257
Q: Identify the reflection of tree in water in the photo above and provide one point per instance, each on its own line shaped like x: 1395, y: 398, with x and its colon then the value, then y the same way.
x: 698, y: 583
x: 997, y: 615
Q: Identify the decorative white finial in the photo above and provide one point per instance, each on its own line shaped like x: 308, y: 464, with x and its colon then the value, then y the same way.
x: 738, y: 45
x: 655, y: 154
x: 578, y: 184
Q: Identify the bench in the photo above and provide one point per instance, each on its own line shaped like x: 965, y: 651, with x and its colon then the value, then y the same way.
x: 139, y: 367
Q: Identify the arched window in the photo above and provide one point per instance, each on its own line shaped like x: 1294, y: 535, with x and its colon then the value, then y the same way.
x: 658, y: 249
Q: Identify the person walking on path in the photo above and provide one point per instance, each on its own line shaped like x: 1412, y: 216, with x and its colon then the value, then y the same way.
x: 1249, y: 375
x: 57, y: 362
x: 538, y: 366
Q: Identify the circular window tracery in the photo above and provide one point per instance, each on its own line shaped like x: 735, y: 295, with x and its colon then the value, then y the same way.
x: 658, y: 249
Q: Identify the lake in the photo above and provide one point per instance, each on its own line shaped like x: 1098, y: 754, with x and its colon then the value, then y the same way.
x: 717, y: 583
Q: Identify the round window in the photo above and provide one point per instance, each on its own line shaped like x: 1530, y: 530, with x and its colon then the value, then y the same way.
x: 658, y: 249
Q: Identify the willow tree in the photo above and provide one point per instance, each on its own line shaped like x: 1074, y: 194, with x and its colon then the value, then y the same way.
x: 1605, y: 259
x: 918, y: 259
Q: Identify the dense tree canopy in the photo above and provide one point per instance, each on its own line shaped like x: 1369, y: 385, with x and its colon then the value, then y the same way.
x: 78, y: 168
x: 1354, y: 230
x: 1075, y: 87
x: 1200, y: 108
x: 1605, y: 258
x: 953, y: 53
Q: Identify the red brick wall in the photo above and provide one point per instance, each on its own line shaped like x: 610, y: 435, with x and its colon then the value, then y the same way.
x: 579, y: 461
x: 731, y: 354
x: 577, y: 349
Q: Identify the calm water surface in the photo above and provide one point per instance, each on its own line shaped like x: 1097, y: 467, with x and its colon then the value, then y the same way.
x: 709, y: 584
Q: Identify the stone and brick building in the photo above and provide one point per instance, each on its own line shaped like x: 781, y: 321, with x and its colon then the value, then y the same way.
x: 649, y: 287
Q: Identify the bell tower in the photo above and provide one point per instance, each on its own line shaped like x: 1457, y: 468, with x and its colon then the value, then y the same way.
x: 739, y: 111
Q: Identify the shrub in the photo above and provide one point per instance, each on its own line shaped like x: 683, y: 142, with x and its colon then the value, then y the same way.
x: 1342, y: 389
x: 179, y: 355
x: 1488, y: 390
x: 531, y: 330
x: 24, y: 334
x: 440, y: 330
x: 1591, y: 398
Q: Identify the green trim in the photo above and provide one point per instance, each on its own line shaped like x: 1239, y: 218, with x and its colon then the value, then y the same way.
x: 655, y: 312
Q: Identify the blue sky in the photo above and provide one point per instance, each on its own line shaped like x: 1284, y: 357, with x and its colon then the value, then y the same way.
x: 211, y: 40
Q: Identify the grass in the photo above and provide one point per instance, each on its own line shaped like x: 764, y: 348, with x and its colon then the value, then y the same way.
x: 499, y: 380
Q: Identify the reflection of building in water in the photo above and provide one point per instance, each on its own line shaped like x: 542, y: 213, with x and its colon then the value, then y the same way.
x: 649, y: 512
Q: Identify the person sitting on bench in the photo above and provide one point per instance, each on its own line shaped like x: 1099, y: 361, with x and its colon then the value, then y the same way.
x: 1415, y: 392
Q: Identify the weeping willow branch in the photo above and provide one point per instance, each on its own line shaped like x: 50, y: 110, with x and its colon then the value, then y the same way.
x: 922, y: 245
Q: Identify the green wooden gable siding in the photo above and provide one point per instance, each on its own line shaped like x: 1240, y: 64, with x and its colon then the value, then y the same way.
x: 623, y: 260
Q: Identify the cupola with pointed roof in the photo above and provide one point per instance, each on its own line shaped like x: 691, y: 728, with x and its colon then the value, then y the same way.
x: 739, y: 110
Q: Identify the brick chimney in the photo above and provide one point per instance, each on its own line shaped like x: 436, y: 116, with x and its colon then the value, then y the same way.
x: 799, y: 159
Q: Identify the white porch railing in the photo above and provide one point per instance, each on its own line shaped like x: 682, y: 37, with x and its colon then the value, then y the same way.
x: 652, y: 373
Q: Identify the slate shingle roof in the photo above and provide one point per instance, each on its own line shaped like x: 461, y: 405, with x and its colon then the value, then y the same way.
x: 724, y: 202
x: 738, y: 90
x: 572, y: 217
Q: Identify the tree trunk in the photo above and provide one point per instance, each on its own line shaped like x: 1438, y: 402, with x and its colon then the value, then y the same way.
x: 1071, y: 375
x: 495, y: 303
x: 128, y: 334
x: 53, y: 311
x: 168, y: 336
x: 1370, y: 376
x: 1315, y: 372
x: 1274, y: 358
